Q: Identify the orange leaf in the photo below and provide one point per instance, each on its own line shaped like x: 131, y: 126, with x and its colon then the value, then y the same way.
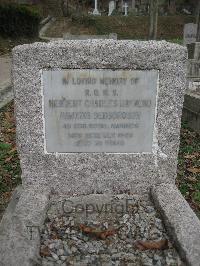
x: 99, y: 234
x: 144, y: 245
x: 105, y: 234
x: 86, y: 229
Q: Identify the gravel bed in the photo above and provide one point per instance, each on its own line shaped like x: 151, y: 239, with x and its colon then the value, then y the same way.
x: 99, y: 233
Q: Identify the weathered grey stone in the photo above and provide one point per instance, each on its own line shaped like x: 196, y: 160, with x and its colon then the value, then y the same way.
x: 194, y: 50
x: 69, y: 36
x: 182, y: 223
x: 193, y: 69
x: 20, y: 228
x: 85, y: 173
x: 6, y: 90
x: 190, y: 32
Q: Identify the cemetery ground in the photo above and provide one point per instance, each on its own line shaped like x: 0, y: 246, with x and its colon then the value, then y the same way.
x: 131, y: 27
x: 188, y: 173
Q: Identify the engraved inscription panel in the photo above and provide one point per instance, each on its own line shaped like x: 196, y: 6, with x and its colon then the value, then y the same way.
x: 99, y: 110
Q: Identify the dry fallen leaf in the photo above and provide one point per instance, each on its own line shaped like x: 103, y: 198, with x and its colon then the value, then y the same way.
x: 7, y: 195
x: 13, y: 150
x: 54, y: 236
x: 8, y: 116
x: 94, y: 232
x: 144, y: 245
x: 194, y: 170
x: 8, y: 159
x: 191, y: 179
x: 191, y: 156
x: 105, y: 234
x: 11, y: 130
x: 86, y: 229
x: 7, y: 178
x: 44, y: 252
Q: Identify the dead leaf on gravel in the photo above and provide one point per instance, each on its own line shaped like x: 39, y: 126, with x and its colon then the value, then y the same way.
x: 99, y: 234
x: 44, y: 252
x: 144, y: 245
x: 194, y: 170
x: 54, y: 236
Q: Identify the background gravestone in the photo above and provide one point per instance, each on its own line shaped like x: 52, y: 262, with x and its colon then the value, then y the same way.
x: 69, y: 36
x: 190, y: 32
x: 111, y: 7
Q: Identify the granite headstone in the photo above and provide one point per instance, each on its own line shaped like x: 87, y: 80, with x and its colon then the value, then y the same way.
x: 98, y: 115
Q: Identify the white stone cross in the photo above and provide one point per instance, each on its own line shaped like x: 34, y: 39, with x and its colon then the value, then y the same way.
x: 126, y: 9
x: 95, y: 11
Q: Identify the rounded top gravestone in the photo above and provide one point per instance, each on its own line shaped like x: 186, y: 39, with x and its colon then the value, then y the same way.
x: 98, y: 115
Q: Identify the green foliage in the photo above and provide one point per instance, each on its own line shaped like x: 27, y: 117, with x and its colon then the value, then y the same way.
x: 4, y: 146
x: 187, y: 149
x: 197, y: 196
x: 9, y: 168
x: 184, y: 189
x: 17, y: 21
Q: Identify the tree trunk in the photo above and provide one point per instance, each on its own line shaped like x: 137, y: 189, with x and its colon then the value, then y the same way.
x: 153, y: 19
x: 172, y: 7
x: 198, y: 21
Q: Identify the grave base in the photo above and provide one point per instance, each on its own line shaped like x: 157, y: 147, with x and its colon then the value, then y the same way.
x: 25, y: 216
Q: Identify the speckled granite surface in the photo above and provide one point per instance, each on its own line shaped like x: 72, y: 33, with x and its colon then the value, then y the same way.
x: 84, y: 173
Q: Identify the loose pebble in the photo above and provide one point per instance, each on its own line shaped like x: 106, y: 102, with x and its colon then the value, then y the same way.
x: 68, y: 245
